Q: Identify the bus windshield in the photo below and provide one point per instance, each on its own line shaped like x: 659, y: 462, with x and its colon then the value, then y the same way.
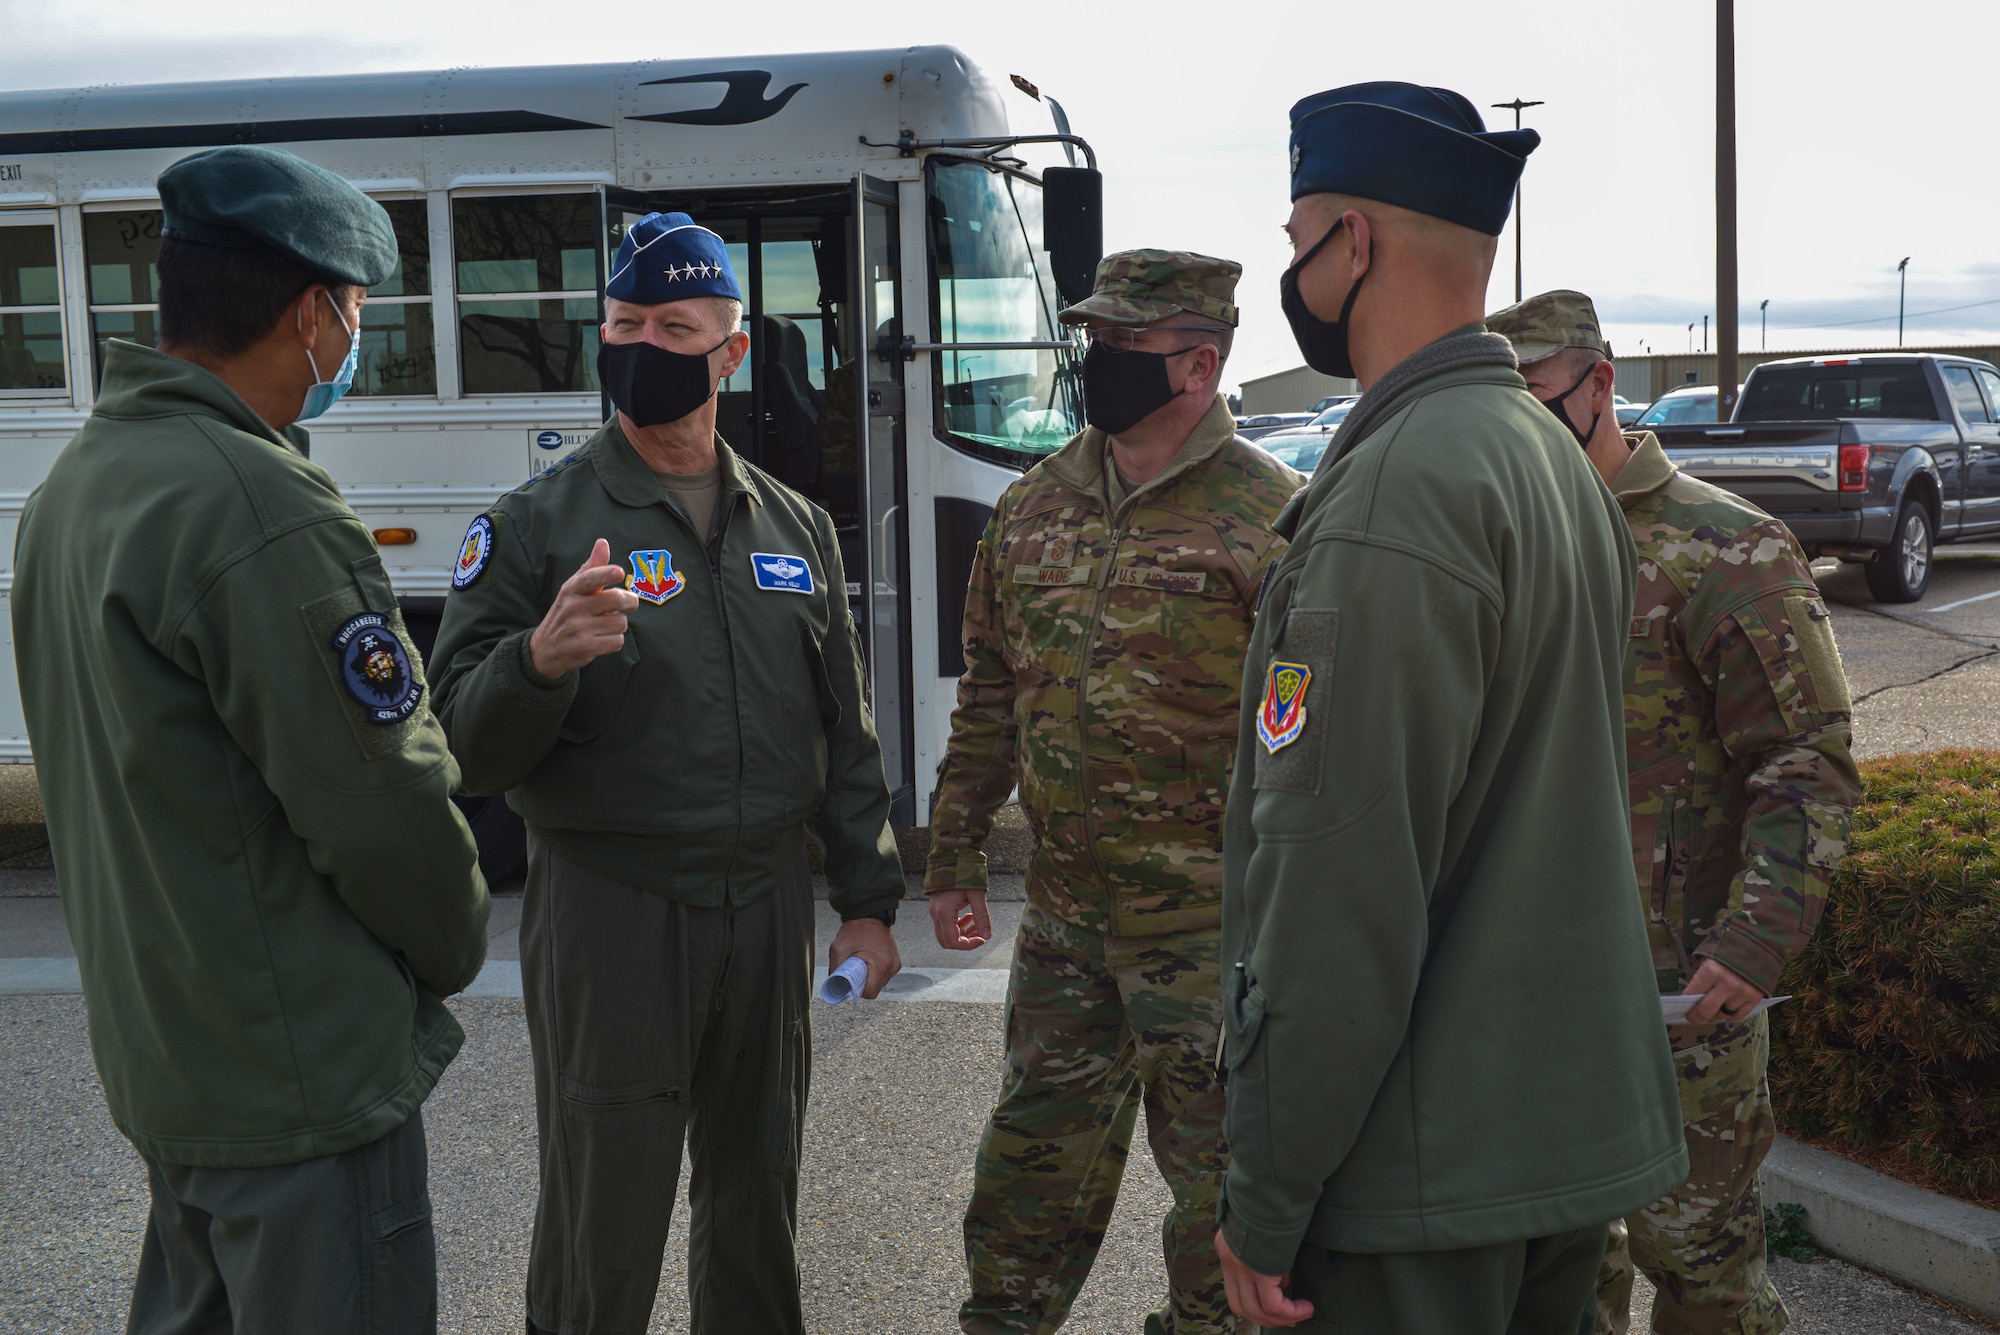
x: 993, y: 286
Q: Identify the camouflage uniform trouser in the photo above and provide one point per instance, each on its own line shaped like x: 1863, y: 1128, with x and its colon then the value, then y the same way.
x: 1703, y: 1245
x: 1095, y: 1024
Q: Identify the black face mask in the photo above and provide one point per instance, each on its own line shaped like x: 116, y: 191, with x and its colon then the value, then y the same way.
x: 1324, y: 342
x: 1121, y: 389
x: 1555, y: 405
x: 653, y: 386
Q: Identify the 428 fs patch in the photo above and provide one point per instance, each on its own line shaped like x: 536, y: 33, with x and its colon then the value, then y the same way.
x: 376, y: 668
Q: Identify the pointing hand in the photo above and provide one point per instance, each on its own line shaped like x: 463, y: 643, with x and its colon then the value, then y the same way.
x: 587, y: 619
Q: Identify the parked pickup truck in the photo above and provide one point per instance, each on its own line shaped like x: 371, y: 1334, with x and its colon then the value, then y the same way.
x: 1872, y: 458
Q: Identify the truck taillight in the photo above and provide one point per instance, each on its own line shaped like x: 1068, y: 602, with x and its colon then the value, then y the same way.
x: 1854, y: 467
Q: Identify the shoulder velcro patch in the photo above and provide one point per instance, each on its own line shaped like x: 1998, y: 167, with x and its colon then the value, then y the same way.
x: 376, y: 668
x: 372, y: 668
x: 473, y: 553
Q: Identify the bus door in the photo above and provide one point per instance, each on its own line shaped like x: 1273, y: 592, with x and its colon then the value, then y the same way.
x: 883, y: 610
x: 817, y: 404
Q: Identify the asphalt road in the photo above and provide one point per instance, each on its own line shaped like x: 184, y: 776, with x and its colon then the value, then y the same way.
x: 900, y: 1090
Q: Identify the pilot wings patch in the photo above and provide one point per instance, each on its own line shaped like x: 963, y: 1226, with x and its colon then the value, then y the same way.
x: 780, y: 573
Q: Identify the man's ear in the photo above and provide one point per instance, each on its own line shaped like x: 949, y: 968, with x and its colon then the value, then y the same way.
x: 733, y: 353
x: 1605, y: 385
x: 1203, y: 370
x: 1361, y: 236
x: 307, y: 314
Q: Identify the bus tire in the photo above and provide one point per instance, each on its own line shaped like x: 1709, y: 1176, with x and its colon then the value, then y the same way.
x: 502, y: 838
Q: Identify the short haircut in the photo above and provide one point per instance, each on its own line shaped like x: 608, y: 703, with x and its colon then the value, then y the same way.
x: 223, y: 300
x: 1573, y: 362
x: 730, y: 312
x: 1215, y: 332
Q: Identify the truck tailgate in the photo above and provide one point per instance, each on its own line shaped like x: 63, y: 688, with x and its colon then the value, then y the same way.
x: 1784, y: 469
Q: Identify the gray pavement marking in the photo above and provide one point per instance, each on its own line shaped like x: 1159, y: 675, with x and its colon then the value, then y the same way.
x: 1967, y: 602
x: 502, y: 978
x: 40, y: 977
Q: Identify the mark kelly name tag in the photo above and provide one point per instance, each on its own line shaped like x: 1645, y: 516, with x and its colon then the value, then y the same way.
x: 1173, y: 581
x: 779, y: 573
x: 1052, y: 574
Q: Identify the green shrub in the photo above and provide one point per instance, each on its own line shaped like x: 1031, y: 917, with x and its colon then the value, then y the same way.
x: 1891, y: 1044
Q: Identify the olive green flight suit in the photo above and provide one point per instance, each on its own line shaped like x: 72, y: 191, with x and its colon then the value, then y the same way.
x: 667, y: 930
x: 266, y: 883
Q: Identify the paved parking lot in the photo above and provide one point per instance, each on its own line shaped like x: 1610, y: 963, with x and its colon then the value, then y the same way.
x: 900, y: 1091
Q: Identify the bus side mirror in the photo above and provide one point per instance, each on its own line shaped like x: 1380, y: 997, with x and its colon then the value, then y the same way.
x: 1073, y: 227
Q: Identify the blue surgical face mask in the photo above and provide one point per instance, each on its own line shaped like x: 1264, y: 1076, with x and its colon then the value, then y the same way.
x: 325, y: 393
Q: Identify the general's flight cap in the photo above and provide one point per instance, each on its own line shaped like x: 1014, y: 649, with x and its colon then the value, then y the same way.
x: 249, y: 197
x: 669, y: 257
x: 1424, y: 149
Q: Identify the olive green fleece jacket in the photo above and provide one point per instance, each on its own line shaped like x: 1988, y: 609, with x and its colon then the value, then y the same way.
x: 692, y: 762
x: 1442, y: 1029
x: 268, y: 891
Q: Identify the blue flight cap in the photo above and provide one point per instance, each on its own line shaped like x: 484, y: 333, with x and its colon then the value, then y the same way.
x: 1424, y: 149
x: 668, y: 257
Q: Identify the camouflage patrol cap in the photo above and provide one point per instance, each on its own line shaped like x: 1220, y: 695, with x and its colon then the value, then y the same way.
x: 1548, y: 322
x: 1140, y: 286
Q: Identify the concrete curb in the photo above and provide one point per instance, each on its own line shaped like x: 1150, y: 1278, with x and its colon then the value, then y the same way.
x: 1930, y: 1242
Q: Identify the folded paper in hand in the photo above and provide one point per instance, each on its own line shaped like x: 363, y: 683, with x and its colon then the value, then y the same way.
x: 1675, y: 1008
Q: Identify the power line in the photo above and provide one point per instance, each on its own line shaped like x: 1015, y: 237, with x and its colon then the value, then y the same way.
x: 1883, y: 319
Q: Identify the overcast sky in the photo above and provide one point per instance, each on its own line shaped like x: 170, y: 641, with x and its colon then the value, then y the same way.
x: 1863, y: 128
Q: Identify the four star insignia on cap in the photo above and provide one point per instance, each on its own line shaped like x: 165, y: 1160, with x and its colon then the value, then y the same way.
x: 692, y: 271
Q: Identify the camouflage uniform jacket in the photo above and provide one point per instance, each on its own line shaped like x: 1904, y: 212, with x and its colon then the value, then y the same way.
x: 1736, y: 728
x: 1104, y: 672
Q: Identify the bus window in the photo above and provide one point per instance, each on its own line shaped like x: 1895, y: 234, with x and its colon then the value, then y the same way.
x: 122, y: 251
x: 993, y: 286
x: 31, y: 336
x: 398, y: 350
x: 529, y: 268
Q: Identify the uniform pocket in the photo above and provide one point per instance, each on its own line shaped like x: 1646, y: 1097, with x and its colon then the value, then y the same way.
x: 1248, y: 1118
x: 600, y: 690
x: 1294, y: 690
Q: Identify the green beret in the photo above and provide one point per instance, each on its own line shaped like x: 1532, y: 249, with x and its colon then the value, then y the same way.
x: 248, y: 197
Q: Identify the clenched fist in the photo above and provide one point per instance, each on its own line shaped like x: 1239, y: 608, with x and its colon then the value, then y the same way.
x: 587, y: 619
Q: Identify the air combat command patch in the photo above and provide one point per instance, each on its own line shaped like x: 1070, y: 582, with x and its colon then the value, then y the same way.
x: 653, y: 575
x: 376, y: 668
x: 1282, y: 716
x: 472, y: 553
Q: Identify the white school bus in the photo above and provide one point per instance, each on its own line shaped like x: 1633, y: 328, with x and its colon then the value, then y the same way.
x: 906, y: 362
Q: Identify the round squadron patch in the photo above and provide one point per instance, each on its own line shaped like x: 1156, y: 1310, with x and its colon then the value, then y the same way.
x: 472, y: 553
x: 376, y: 668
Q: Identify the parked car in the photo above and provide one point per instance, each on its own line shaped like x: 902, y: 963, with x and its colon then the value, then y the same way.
x: 1628, y: 412
x: 1250, y: 428
x: 1302, y: 446
x: 1332, y: 399
x: 1677, y: 407
x: 1872, y: 458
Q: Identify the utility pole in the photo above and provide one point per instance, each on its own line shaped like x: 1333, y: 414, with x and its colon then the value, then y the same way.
x: 1902, y: 291
x: 1517, y: 106
x: 1704, y: 335
x: 1726, y: 377
x: 1764, y: 333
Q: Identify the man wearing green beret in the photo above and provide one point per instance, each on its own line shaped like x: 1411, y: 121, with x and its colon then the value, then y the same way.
x: 1741, y: 791
x: 1109, y: 605
x: 248, y: 798
x: 1446, y: 1063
